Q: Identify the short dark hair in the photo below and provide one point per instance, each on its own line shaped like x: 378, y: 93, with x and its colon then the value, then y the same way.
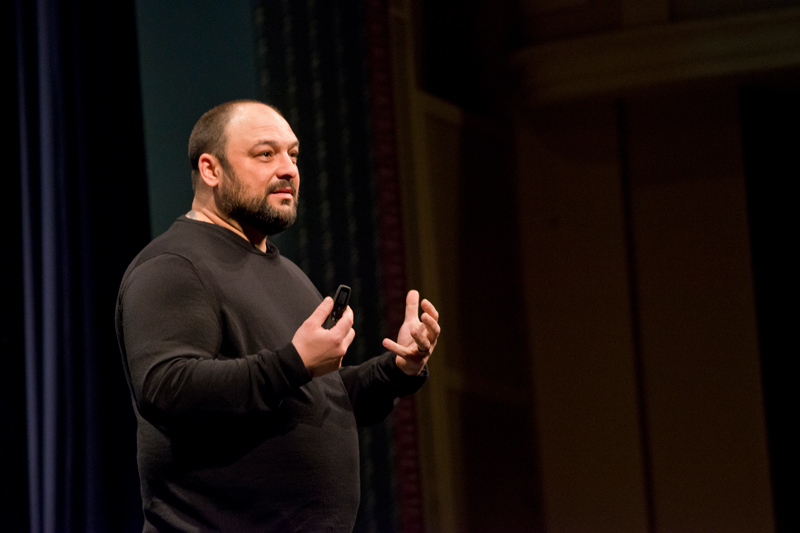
x: 208, y: 135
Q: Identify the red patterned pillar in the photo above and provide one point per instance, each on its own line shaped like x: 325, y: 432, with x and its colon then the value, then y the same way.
x: 392, y: 252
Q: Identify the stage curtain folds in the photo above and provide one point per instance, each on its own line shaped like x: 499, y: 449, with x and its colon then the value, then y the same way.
x: 82, y: 217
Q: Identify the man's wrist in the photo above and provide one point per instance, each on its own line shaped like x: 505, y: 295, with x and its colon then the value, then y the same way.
x: 407, y: 367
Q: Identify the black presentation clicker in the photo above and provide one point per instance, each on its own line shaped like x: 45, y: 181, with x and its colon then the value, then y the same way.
x: 340, y: 301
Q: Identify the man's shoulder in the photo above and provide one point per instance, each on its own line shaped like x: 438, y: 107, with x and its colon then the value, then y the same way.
x: 189, y: 239
x: 181, y: 243
x: 211, y: 249
x: 182, y: 238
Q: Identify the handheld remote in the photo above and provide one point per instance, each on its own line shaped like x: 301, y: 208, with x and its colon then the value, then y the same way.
x: 340, y: 301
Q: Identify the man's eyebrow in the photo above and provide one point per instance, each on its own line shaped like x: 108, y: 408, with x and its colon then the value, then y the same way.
x: 268, y: 142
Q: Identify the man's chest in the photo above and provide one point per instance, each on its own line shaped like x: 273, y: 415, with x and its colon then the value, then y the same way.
x: 260, y: 307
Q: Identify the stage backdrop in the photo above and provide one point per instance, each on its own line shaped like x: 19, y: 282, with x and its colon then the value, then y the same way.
x: 325, y: 65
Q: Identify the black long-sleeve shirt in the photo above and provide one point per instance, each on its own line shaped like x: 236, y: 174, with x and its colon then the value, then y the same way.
x: 233, y: 434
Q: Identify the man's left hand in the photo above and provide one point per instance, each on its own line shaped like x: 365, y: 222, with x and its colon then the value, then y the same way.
x: 417, y: 337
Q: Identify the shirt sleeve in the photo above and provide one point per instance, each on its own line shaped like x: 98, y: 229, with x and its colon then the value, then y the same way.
x: 374, y: 385
x: 170, y: 335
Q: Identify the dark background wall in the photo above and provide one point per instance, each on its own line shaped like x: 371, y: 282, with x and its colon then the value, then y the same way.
x: 602, y: 176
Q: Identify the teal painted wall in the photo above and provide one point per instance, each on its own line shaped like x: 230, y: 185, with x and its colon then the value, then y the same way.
x: 193, y: 55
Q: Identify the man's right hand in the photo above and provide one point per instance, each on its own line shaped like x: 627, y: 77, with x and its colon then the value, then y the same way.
x: 322, y: 349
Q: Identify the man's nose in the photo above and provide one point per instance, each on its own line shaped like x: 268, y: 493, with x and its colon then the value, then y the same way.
x: 287, y: 169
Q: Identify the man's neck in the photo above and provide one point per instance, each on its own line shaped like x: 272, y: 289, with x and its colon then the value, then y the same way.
x: 256, y: 238
x: 196, y: 215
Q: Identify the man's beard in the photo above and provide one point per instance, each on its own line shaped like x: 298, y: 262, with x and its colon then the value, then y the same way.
x: 234, y: 202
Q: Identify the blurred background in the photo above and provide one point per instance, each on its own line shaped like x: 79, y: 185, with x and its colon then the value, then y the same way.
x: 594, y: 193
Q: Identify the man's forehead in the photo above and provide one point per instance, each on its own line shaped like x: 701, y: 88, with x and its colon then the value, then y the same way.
x: 257, y: 122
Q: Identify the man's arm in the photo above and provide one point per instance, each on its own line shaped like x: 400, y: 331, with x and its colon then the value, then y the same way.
x: 374, y: 385
x: 171, y: 339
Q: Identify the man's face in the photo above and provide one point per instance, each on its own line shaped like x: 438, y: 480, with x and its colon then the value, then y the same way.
x: 260, y: 180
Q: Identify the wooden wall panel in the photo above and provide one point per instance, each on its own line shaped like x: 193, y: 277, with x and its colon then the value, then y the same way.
x: 698, y: 333
x: 485, y: 369
x: 579, y: 325
x: 445, y: 165
x: 548, y: 20
x: 696, y: 9
x: 498, y: 466
x: 650, y: 57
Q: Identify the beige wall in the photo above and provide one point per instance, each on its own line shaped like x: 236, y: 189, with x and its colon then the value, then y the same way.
x: 579, y: 324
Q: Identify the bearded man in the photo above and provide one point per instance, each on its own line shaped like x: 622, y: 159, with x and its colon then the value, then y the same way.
x: 246, y: 418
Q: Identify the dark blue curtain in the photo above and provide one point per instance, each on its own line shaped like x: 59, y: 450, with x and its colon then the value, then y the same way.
x: 78, y: 171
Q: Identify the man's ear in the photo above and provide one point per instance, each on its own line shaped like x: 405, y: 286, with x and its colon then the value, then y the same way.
x: 210, y: 170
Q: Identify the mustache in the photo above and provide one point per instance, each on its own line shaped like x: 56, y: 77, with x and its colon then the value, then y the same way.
x: 282, y: 184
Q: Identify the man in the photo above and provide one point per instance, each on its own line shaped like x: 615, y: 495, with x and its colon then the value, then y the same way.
x: 246, y: 419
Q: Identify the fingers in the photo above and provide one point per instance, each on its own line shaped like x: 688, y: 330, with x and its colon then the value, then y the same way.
x: 412, y: 305
x: 420, y: 336
x: 424, y: 330
x: 322, y: 311
x: 322, y: 349
x: 420, y: 347
x: 344, y: 330
x: 430, y: 317
x: 433, y: 327
x: 348, y: 340
x: 428, y: 307
x: 399, y: 349
x: 345, y: 322
x: 409, y: 359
